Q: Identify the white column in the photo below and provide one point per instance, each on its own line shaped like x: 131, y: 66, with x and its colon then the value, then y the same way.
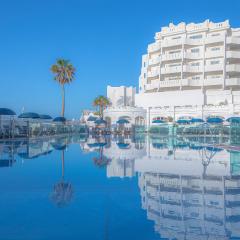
x: 224, y: 62
x: 203, y: 73
x: 182, y: 64
x: 160, y: 66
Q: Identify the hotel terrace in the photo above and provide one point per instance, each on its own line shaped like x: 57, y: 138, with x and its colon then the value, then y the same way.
x: 190, y: 69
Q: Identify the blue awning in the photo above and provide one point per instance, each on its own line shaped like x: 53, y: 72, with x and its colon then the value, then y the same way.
x: 183, y: 121
x: 7, y: 112
x: 92, y: 119
x: 196, y: 120
x: 100, y: 121
x: 215, y: 120
x: 59, y: 119
x: 97, y: 144
x: 29, y: 115
x: 233, y: 120
x: 123, y: 145
x: 46, y: 117
x: 158, y: 121
x: 122, y: 121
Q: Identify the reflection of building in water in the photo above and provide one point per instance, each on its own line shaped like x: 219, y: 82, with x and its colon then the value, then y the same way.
x: 123, y: 155
x: 7, y: 150
x: 188, y: 200
x: 34, y: 148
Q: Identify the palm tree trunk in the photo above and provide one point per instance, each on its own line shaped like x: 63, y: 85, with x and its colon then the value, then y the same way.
x: 63, y: 159
x: 101, y: 111
x: 63, y: 100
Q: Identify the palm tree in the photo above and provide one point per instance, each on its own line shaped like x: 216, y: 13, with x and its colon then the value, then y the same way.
x: 101, y: 102
x: 64, y: 73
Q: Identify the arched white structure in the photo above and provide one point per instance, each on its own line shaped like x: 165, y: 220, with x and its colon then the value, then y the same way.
x: 129, y: 113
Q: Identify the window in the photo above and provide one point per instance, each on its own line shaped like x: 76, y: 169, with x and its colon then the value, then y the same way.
x: 215, y: 49
x: 175, y: 65
x: 176, y: 37
x: 144, y: 75
x: 144, y: 64
x: 216, y: 34
x: 214, y: 62
x: 173, y: 52
x: 195, y: 78
x: 196, y: 36
x: 195, y: 50
x: 195, y: 64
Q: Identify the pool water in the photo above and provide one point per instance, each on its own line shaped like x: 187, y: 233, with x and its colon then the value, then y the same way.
x: 137, y: 187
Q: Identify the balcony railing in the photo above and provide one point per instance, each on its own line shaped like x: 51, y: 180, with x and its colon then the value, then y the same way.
x: 214, y: 67
x: 154, y: 61
x: 154, y: 47
x: 192, y: 83
x: 233, y: 68
x: 153, y: 74
x: 211, y: 54
x: 169, y: 57
x: 232, y: 82
x: 233, y: 40
x: 233, y: 54
x: 168, y: 70
x: 189, y: 68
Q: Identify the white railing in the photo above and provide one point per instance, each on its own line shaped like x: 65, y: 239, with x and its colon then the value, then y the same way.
x: 154, y: 61
x: 233, y: 68
x: 170, y: 83
x: 153, y: 74
x: 232, y: 82
x: 189, y: 68
x: 154, y: 47
x: 216, y: 39
x: 214, y: 67
x: 233, y: 54
x: 167, y: 70
x: 213, y: 81
x: 191, y: 55
x: 210, y: 54
x: 173, y: 56
x: 233, y: 40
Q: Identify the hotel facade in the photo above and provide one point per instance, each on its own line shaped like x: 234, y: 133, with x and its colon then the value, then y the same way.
x: 189, y: 69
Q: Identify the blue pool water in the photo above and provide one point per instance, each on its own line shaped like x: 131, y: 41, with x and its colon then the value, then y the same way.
x: 119, y: 188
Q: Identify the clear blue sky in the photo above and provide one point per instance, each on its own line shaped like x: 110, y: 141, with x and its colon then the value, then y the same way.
x: 104, y: 39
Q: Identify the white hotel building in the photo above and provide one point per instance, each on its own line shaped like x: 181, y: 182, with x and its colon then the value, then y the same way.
x: 190, y: 69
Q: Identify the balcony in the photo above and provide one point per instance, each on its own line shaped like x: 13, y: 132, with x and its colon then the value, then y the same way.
x: 233, y: 82
x: 172, y: 42
x: 217, y: 39
x: 181, y: 41
x: 170, y: 83
x: 233, y: 54
x: 154, y: 47
x: 170, y: 70
x: 214, y: 67
x: 192, y: 69
x: 233, y: 40
x: 171, y: 57
x: 153, y: 74
x: 154, y: 61
x: 213, y: 81
x: 233, y: 68
x: 212, y: 54
x: 152, y: 85
x: 195, y: 82
x: 190, y: 55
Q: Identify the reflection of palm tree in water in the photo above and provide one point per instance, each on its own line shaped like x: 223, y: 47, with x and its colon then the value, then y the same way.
x: 101, y: 160
x: 62, y: 191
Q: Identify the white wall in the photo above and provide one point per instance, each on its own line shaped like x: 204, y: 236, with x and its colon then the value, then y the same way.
x: 121, y: 96
x: 170, y: 98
